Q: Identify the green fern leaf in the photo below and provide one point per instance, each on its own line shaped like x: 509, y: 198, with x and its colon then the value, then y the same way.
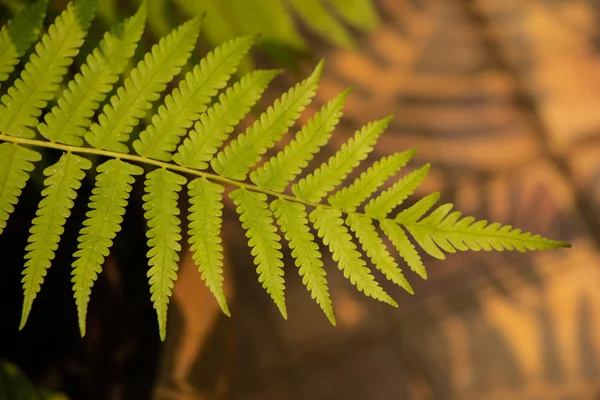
x: 375, y: 248
x: 103, y: 222
x: 417, y: 210
x: 383, y: 204
x: 16, y: 163
x: 205, y: 217
x: 292, y: 219
x: 257, y: 220
x: 62, y: 182
x: 349, y: 198
x: 184, y: 105
x: 405, y: 248
x: 330, y: 174
x: 218, y: 122
x: 18, y: 34
x: 451, y: 233
x: 282, y: 168
x: 142, y: 87
x: 236, y: 160
x: 69, y: 120
x: 331, y: 229
x: 160, y: 204
x: 23, y: 103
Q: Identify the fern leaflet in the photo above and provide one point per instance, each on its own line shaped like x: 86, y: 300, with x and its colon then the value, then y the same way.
x: 69, y: 119
x: 383, y: 204
x: 331, y: 173
x: 16, y: 162
x: 244, y: 152
x: 160, y: 204
x: 142, y: 87
x: 218, y: 122
x: 417, y: 210
x: 23, y: 103
x: 205, y: 217
x: 186, y: 102
x: 405, y: 248
x: 18, y: 34
x: 334, y: 233
x: 375, y: 248
x: 292, y: 219
x: 103, y: 222
x: 282, y: 168
x: 62, y: 182
x: 257, y: 220
x: 349, y: 198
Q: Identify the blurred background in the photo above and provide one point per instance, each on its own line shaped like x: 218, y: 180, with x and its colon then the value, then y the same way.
x: 501, y: 96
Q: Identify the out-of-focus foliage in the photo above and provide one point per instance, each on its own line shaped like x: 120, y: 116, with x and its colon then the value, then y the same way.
x: 14, y: 385
x: 282, y: 25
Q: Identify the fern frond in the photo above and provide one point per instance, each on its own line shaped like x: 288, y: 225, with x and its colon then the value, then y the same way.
x: 283, y: 167
x: 330, y: 174
x: 417, y: 210
x: 71, y: 116
x: 292, y: 219
x: 331, y: 229
x: 244, y: 151
x: 62, y: 182
x: 16, y: 162
x: 436, y: 230
x: 142, y: 87
x: 205, y: 217
x: 18, y: 34
x: 451, y: 233
x: 189, y: 99
x: 23, y: 103
x: 257, y: 220
x: 349, y: 198
x: 103, y: 221
x: 383, y: 204
x: 160, y: 203
x: 376, y: 250
x: 218, y: 122
x: 405, y: 248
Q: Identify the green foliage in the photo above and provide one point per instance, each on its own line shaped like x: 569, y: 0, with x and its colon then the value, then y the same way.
x: 330, y: 174
x: 17, y: 36
x: 184, y: 105
x: 23, y: 103
x: 64, y: 178
x: 70, y: 118
x: 292, y: 219
x: 237, y: 158
x: 103, y: 222
x: 276, y: 20
x: 279, y: 194
x: 16, y: 163
x: 15, y: 385
x: 205, y: 217
x: 257, y: 220
x: 160, y: 203
x: 143, y: 86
